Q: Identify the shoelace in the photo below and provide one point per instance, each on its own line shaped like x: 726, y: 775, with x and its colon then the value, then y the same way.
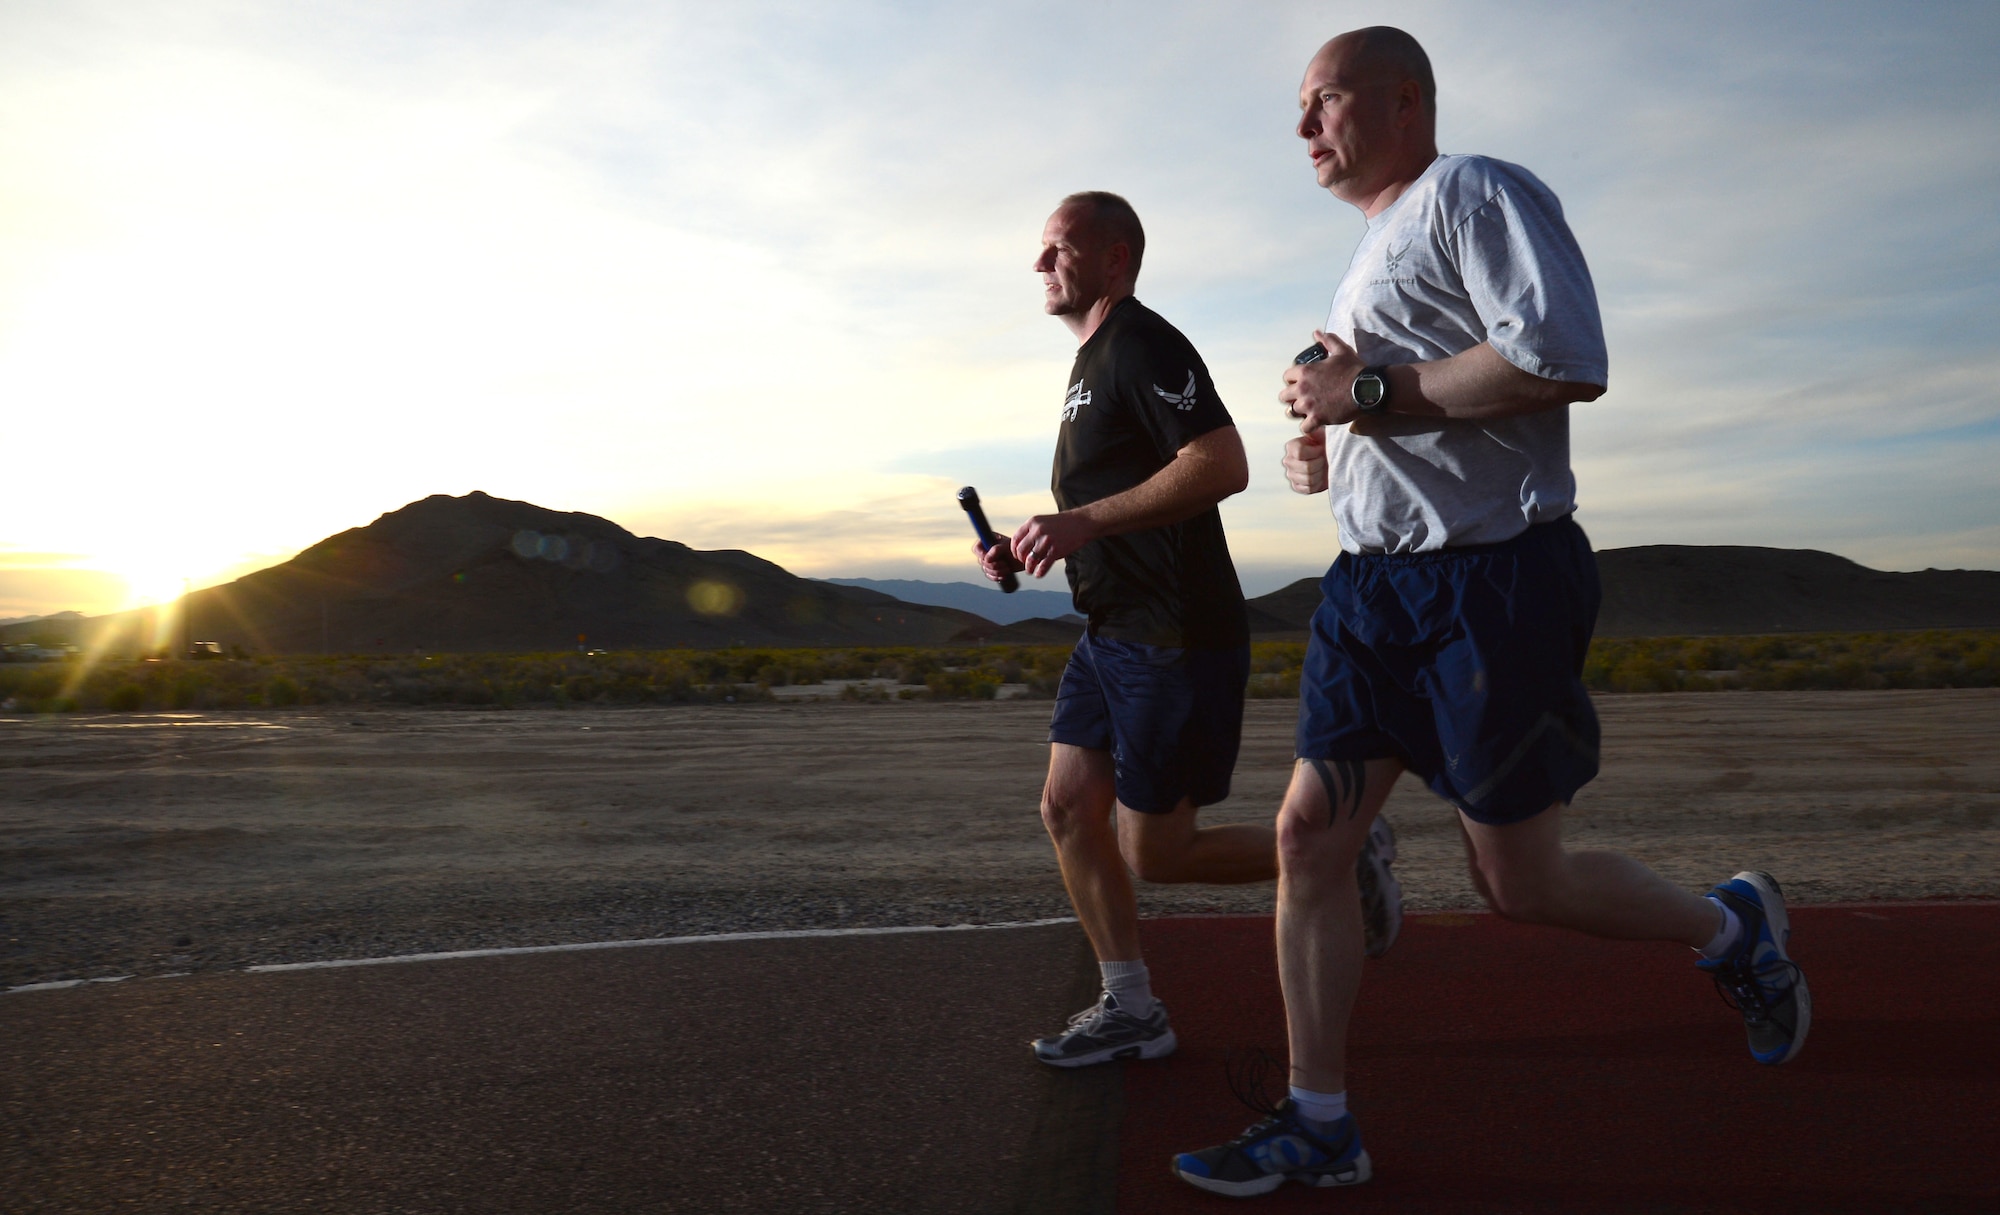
x: 1742, y: 987
x: 1096, y: 1014
x: 1249, y: 1073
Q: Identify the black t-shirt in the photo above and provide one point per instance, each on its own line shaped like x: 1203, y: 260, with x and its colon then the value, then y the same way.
x: 1138, y: 394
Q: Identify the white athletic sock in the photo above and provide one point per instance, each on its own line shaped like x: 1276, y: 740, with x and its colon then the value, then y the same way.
x: 1726, y: 936
x: 1132, y: 983
x: 1320, y: 1110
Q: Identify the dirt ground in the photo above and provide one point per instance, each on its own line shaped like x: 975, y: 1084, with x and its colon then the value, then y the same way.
x: 162, y: 843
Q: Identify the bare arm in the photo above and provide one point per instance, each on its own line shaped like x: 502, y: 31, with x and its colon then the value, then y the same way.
x: 1207, y: 470
x: 1474, y: 385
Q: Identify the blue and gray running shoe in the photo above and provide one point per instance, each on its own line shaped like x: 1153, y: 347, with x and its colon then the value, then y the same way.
x: 1758, y: 977
x: 1274, y: 1151
x: 1381, y: 893
x: 1277, y: 1149
x: 1104, y: 1032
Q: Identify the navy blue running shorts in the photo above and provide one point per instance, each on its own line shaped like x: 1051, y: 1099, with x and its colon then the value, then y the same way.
x: 1171, y: 718
x: 1466, y: 664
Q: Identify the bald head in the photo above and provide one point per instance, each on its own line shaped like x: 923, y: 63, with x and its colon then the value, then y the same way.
x: 1368, y: 114
x: 1386, y: 55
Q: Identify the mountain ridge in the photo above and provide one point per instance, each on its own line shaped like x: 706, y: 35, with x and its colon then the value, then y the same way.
x: 480, y: 573
x: 988, y: 600
x: 476, y: 573
x: 1663, y: 590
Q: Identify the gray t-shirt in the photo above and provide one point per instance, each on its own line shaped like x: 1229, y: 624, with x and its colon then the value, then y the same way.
x: 1474, y: 251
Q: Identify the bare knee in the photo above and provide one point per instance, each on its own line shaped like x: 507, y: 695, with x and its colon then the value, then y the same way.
x: 1154, y: 862
x: 1067, y: 814
x: 1077, y: 796
x: 1299, y: 840
x: 1308, y: 842
x: 1520, y: 868
x: 1513, y: 896
x: 1159, y: 847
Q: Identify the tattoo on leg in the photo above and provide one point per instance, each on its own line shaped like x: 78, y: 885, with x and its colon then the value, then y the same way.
x: 1344, y: 784
x: 1356, y: 778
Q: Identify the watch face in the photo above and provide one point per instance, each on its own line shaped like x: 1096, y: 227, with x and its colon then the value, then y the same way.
x: 1369, y: 390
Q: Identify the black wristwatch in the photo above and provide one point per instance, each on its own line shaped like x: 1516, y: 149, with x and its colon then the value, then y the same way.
x: 1371, y: 390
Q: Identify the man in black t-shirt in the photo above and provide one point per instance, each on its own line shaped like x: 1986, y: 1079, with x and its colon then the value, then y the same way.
x: 1150, y: 709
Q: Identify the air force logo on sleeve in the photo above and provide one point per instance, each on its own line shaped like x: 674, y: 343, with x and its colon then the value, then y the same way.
x: 1078, y: 397
x: 1184, y: 399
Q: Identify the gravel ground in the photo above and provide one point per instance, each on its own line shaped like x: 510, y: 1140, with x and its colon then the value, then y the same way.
x: 165, y: 843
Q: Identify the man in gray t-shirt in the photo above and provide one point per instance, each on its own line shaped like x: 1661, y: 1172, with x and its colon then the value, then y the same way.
x: 1451, y: 637
x: 1473, y: 252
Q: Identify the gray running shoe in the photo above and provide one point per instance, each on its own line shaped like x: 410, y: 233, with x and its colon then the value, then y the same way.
x: 1759, y: 977
x: 1279, y: 1148
x: 1381, y: 893
x: 1276, y: 1150
x: 1104, y: 1032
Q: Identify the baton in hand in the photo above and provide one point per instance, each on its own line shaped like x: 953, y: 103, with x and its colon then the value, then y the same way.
x: 969, y: 499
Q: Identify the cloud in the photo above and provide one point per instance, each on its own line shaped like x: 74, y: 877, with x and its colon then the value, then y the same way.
x: 765, y: 266
x: 28, y: 591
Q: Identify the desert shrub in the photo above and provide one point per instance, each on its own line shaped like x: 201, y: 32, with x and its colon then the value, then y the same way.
x: 916, y: 667
x: 31, y: 683
x: 1938, y: 659
x: 1276, y: 657
x: 1931, y: 659
x: 1643, y: 673
x: 977, y: 684
x: 1273, y: 685
x: 185, y: 693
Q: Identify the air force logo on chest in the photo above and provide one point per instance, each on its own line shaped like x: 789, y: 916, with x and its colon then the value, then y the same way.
x: 1078, y: 397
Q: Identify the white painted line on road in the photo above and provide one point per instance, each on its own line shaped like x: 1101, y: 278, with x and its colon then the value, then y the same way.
x: 712, y: 938
x: 809, y: 933
x: 780, y: 935
x: 59, y: 984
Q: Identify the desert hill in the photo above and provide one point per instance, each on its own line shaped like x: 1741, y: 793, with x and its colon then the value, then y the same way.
x: 479, y: 573
x: 1659, y: 590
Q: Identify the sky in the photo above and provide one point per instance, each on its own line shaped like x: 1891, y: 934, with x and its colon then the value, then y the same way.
x: 757, y: 275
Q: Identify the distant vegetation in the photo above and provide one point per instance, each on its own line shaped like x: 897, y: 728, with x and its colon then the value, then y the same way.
x: 522, y: 680
x: 1956, y: 658
x: 1943, y: 659
x: 1968, y: 658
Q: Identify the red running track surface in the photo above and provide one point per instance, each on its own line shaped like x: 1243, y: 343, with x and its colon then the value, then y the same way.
x: 1496, y: 1067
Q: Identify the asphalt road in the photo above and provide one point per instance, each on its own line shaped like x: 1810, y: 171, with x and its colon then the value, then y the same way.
x: 1497, y: 1068
x: 875, y: 1073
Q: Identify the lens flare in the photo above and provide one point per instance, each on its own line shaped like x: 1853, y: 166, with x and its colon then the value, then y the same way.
x: 715, y: 598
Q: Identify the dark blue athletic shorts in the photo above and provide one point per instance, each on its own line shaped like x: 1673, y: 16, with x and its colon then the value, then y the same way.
x: 1466, y: 664
x: 1171, y: 718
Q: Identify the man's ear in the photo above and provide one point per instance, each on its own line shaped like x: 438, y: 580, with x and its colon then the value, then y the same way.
x: 1409, y: 103
x: 1118, y: 260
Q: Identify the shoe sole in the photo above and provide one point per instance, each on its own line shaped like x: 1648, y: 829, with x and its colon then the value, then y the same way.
x: 1772, y: 896
x: 1151, y: 1048
x: 1357, y: 1171
x: 1380, y: 891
